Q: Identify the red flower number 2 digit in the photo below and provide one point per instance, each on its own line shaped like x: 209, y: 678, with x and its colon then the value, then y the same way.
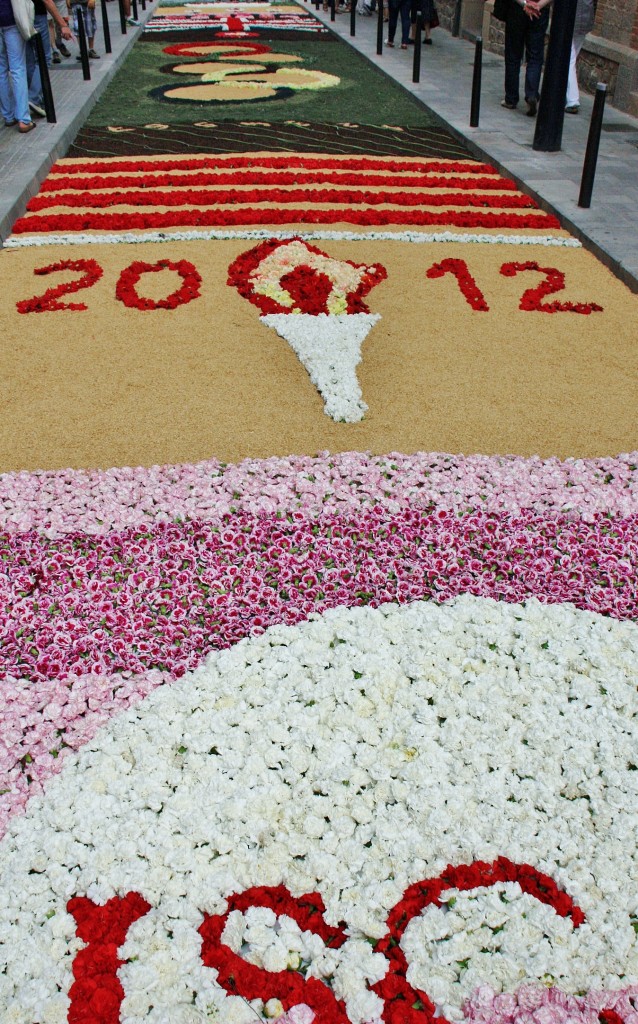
x: 91, y: 273
x: 554, y: 282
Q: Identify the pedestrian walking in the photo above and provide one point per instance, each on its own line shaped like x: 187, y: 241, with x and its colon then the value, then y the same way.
x: 85, y: 9
x: 526, y: 24
x: 16, y: 26
x: 585, y: 17
x: 42, y: 10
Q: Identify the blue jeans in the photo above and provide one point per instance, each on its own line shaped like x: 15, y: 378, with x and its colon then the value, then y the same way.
x: 33, y: 68
x: 524, y: 35
x: 396, y: 7
x: 14, y: 102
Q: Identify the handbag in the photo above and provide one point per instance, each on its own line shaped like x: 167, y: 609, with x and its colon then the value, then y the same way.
x: 501, y: 9
x: 24, y: 15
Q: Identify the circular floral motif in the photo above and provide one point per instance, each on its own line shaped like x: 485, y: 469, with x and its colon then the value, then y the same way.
x: 126, y: 288
x: 352, y: 757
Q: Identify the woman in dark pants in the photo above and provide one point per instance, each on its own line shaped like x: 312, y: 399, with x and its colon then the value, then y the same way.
x: 428, y: 12
x: 525, y: 31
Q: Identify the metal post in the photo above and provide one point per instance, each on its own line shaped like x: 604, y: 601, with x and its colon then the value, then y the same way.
x: 84, y: 50
x: 135, y: 11
x: 353, y: 17
x: 418, y: 34
x: 106, y: 29
x: 379, y: 27
x: 591, y: 153
x: 47, y: 94
x: 551, y: 109
x: 475, y: 109
x: 144, y: 4
x: 122, y: 17
x: 333, y: 9
x: 456, y: 19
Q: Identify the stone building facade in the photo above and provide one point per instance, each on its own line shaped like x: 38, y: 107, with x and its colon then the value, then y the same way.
x: 610, y: 53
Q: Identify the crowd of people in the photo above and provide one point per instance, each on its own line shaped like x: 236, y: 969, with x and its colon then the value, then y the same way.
x: 55, y: 22
x: 526, y: 24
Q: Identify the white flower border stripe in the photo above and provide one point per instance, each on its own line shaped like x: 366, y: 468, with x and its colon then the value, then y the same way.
x: 413, y: 237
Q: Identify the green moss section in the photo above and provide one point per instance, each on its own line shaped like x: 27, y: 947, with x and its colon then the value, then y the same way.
x: 365, y: 95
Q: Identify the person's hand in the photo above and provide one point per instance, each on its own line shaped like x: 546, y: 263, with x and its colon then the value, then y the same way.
x: 66, y: 33
x: 91, y: 5
x: 532, y: 10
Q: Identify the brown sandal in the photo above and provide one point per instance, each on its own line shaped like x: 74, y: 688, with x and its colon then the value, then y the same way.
x: 26, y: 126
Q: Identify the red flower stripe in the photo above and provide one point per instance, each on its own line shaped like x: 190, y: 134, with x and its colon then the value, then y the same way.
x: 247, y: 215
x: 126, y: 288
x: 407, y: 1005
x: 232, y: 197
x: 554, y: 282
x: 159, y: 180
x: 96, y: 994
x: 217, y: 161
x: 238, y: 977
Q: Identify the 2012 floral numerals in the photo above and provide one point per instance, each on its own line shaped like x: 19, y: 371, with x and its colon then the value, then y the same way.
x: 126, y: 289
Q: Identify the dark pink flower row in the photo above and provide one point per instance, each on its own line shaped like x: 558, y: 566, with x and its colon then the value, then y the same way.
x: 163, y: 597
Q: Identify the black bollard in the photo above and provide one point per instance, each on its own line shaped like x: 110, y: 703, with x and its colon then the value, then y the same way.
x: 135, y: 11
x: 456, y: 19
x: 144, y: 4
x: 418, y: 33
x: 333, y: 9
x: 353, y: 17
x: 106, y: 30
x: 84, y: 50
x: 593, y: 141
x: 548, y: 134
x: 122, y: 17
x: 379, y: 27
x: 47, y: 94
x: 475, y: 109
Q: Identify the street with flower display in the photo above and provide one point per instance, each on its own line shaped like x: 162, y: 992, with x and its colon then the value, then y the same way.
x: 318, y: 562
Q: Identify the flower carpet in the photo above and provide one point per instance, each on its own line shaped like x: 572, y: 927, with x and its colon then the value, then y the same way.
x: 304, y: 719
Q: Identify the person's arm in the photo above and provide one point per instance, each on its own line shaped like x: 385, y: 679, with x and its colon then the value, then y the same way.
x: 65, y: 31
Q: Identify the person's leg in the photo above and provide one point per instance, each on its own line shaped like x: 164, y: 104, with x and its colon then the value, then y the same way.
x: 514, y: 48
x: 405, y: 21
x: 7, y: 108
x: 535, y: 47
x: 393, y: 17
x: 33, y: 68
x: 17, y: 61
x: 573, y: 96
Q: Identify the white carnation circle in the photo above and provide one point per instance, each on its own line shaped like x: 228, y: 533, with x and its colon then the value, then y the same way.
x: 351, y: 755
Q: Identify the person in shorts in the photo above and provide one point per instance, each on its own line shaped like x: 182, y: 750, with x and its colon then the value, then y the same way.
x: 85, y: 9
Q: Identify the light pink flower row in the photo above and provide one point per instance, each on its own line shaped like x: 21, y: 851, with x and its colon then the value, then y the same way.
x: 538, y: 1005
x: 96, y: 501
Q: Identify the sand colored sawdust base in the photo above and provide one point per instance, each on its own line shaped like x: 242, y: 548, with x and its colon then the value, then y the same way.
x: 117, y: 386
